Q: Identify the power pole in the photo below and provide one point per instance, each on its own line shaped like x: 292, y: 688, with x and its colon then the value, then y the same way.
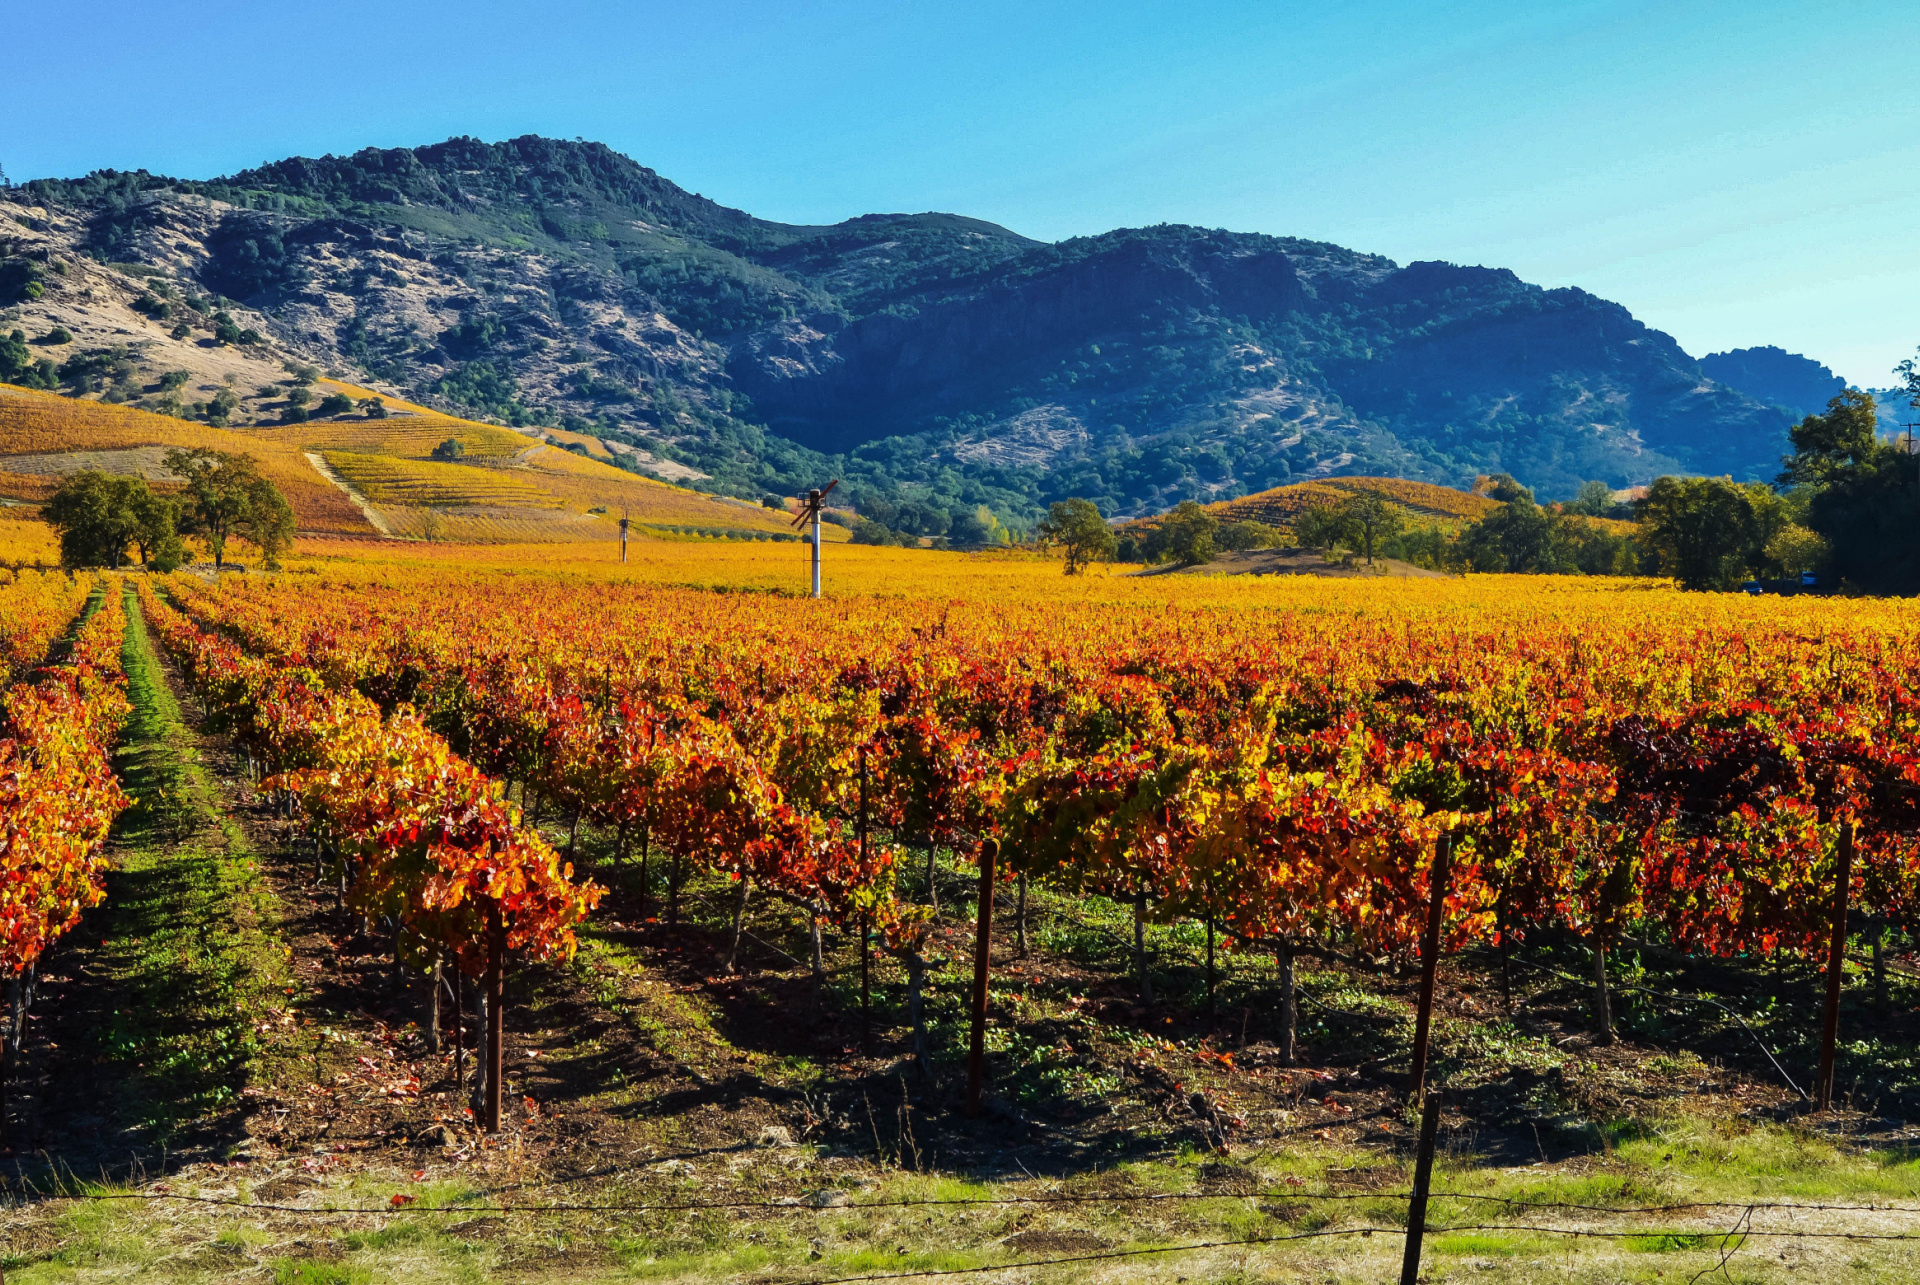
x: 810, y: 511
x: 623, y: 539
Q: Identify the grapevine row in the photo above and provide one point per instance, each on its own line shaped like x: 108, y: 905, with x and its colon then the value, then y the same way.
x: 58, y: 795
x: 419, y: 835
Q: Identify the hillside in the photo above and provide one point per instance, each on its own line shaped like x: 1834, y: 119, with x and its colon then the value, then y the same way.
x: 917, y: 356
x: 1281, y: 505
x: 355, y: 476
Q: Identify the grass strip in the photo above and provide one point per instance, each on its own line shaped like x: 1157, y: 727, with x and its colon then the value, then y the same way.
x: 187, y: 939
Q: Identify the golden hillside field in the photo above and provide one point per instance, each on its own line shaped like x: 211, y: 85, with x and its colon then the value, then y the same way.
x: 509, y: 486
x: 42, y: 424
x: 1280, y: 506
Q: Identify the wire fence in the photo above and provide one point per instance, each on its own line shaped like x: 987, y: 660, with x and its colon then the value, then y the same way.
x: 1726, y: 1241
x: 800, y: 1204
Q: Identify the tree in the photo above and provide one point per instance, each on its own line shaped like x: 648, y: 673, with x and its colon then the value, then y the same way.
x: 981, y: 526
x: 19, y: 366
x: 227, y: 497
x: 1700, y: 529
x: 1830, y: 446
x: 374, y: 408
x: 1326, y: 526
x: 334, y: 404
x: 157, y: 530
x: 1185, y: 535
x: 1501, y: 487
x: 1595, y: 499
x: 1863, y: 494
x: 1518, y: 537
x: 1797, y: 549
x: 97, y: 516
x: 220, y: 409
x: 1240, y: 537
x: 451, y: 449
x: 1375, y: 518
x: 1076, y: 525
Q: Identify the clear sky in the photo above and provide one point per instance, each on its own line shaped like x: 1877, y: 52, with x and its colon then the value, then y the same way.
x: 1734, y: 173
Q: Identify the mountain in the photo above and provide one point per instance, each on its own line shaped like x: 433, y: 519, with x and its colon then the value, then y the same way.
x: 926, y: 357
x: 1770, y: 374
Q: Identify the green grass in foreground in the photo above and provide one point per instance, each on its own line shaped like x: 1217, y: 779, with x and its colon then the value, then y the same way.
x: 187, y: 944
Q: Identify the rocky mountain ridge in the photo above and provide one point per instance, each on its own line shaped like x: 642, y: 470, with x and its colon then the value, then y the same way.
x: 931, y: 357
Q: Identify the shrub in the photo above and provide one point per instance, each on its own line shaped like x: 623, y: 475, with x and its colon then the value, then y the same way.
x: 180, y: 331
x: 58, y: 335
x: 174, y: 379
x: 18, y: 366
x: 224, y: 403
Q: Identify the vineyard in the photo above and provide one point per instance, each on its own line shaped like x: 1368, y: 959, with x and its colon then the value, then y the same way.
x: 677, y: 899
x: 387, y: 480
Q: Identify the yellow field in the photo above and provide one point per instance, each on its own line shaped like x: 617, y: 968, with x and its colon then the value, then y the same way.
x: 988, y: 591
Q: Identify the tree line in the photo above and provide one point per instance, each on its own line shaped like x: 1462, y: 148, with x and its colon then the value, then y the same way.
x: 1844, y: 508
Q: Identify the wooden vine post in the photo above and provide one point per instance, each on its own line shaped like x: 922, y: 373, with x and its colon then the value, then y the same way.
x: 982, y: 958
x: 866, y: 926
x: 1430, y: 962
x: 1422, y: 1183
x: 1836, y: 967
x: 496, y: 1024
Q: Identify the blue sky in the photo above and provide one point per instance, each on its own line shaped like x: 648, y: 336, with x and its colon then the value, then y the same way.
x: 1735, y: 174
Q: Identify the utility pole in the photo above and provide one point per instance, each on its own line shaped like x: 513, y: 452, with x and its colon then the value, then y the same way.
x: 810, y: 511
x: 623, y: 539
